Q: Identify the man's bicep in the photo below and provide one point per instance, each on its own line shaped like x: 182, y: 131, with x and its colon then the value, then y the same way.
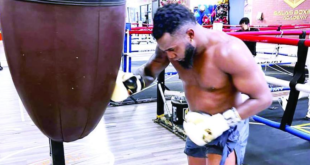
x: 250, y: 82
x: 249, y: 78
x: 246, y: 74
x: 157, y: 63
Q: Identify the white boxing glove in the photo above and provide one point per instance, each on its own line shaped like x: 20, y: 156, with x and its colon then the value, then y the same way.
x: 203, y: 128
x: 126, y: 85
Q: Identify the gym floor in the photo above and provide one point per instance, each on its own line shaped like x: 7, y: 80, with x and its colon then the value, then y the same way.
x: 128, y: 135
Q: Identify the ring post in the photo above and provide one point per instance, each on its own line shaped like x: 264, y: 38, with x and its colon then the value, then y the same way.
x: 127, y: 48
x: 125, y: 62
x: 160, y: 102
x: 161, y: 76
x: 127, y: 39
x: 129, y: 63
x: 299, y: 77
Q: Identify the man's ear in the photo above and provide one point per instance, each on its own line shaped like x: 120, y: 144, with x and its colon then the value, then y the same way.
x: 190, y: 33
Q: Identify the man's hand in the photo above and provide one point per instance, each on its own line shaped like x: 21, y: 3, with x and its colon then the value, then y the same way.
x: 203, y: 128
x: 126, y: 85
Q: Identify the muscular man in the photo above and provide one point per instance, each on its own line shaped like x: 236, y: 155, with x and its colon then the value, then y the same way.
x: 245, y: 26
x: 216, y: 69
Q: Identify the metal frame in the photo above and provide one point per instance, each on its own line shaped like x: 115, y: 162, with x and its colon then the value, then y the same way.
x: 57, y: 152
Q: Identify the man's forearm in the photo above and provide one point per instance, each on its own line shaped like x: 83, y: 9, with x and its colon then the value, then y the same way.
x: 153, y: 67
x: 147, y: 77
x: 253, y: 106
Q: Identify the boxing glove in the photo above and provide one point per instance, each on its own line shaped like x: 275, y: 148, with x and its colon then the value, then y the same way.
x: 203, y: 128
x: 126, y: 85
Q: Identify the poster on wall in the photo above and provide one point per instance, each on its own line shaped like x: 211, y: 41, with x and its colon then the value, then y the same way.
x: 208, y: 13
x: 205, y: 14
x: 222, y: 13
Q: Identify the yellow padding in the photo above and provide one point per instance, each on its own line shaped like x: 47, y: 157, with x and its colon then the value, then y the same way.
x: 303, y: 127
x: 160, y: 116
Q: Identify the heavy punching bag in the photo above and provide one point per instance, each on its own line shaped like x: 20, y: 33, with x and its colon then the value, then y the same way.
x: 64, y: 57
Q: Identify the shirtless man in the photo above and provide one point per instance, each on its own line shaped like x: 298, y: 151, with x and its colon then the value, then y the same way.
x: 215, y: 69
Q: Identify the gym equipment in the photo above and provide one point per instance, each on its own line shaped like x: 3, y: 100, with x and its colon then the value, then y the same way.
x: 64, y: 57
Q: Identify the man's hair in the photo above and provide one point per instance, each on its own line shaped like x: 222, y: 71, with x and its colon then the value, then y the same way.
x: 244, y: 20
x: 170, y: 18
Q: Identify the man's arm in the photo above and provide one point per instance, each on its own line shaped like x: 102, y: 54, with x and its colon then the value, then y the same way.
x: 237, y: 61
x: 155, y: 65
x: 128, y: 84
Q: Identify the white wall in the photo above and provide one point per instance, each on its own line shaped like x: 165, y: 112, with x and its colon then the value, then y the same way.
x: 137, y: 3
x: 236, y: 12
x: 134, y: 6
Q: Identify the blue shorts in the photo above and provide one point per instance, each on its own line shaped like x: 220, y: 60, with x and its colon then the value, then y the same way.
x: 234, y: 139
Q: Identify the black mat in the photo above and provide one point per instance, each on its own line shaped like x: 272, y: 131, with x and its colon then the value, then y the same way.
x: 271, y: 146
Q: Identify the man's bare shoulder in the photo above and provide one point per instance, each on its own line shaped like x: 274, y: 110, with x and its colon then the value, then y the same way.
x: 232, y: 53
x: 229, y: 47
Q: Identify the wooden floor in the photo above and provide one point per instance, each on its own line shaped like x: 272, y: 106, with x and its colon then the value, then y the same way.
x: 125, y: 135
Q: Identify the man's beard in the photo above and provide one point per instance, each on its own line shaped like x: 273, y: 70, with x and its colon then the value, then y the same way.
x: 188, y: 61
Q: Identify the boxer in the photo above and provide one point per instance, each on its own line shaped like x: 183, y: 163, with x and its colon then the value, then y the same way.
x: 216, y: 70
x: 245, y: 26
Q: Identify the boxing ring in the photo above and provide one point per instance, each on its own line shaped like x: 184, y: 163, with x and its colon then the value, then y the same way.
x: 264, y: 58
x: 276, y: 85
x: 130, y: 51
x: 291, y: 89
x: 296, y: 84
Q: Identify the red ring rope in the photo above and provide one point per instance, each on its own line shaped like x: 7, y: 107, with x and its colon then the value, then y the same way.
x: 267, y: 27
x: 286, y: 41
x: 287, y: 25
x: 225, y: 30
x: 296, y: 32
x: 142, y: 28
x: 274, y: 40
x: 140, y: 32
x: 270, y: 28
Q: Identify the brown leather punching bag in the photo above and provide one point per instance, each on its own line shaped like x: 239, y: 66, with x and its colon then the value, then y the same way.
x: 64, y: 57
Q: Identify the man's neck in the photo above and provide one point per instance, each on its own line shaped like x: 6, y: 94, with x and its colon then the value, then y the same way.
x: 203, y: 40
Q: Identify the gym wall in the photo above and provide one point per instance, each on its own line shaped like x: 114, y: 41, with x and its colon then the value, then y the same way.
x: 235, y: 14
x: 280, y: 11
